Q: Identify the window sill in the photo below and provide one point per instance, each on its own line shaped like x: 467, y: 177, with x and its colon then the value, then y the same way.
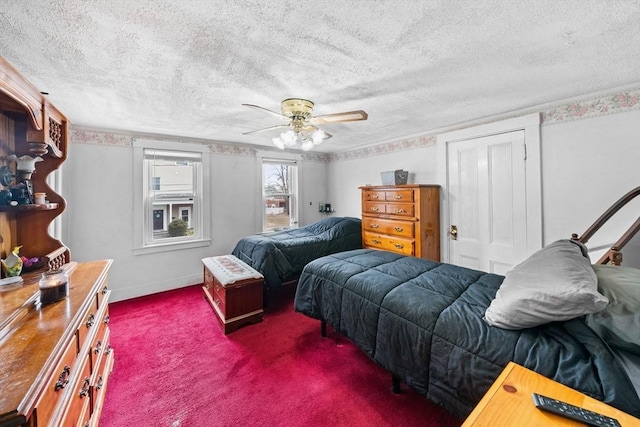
x: 171, y: 246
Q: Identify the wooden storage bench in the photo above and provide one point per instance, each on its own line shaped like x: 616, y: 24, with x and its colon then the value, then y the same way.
x: 234, y: 290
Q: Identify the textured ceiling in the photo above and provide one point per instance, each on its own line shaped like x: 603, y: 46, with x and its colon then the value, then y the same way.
x: 183, y: 68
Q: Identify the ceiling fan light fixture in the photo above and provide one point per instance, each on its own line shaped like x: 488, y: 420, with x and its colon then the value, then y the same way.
x: 317, y: 136
x: 307, y: 145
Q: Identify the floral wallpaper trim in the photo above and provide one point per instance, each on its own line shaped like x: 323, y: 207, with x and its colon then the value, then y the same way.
x: 79, y: 136
x: 598, y: 106
x: 391, y: 147
x: 601, y: 105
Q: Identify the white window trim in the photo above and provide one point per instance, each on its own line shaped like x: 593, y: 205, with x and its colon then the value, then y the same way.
x: 271, y: 156
x: 139, y: 247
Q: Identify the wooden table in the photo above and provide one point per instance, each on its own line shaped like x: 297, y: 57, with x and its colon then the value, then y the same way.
x: 509, y: 403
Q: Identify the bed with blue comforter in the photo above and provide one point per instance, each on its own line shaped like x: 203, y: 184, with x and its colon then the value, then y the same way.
x: 282, y: 255
x: 423, y: 321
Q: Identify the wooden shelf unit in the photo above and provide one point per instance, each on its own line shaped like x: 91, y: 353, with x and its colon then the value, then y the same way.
x: 31, y: 125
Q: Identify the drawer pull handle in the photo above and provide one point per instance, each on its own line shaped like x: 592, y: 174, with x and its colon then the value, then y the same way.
x: 217, y: 301
x: 374, y: 196
x: 376, y: 241
x: 374, y: 226
x: 397, y: 196
x: 104, y: 290
x: 375, y: 209
x: 91, y: 320
x: 399, y: 210
x: 98, y: 348
x: 100, y: 383
x: 399, y: 229
x: 85, y: 388
x: 207, y: 285
x: 63, y: 378
x: 218, y: 288
x: 399, y: 245
x: 108, y: 351
x: 107, y: 319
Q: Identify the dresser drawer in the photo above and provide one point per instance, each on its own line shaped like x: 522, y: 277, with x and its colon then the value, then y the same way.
x: 389, y: 243
x: 100, y: 376
x: 79, y: 406
x: 389, y: 226
x: 376, y: 208
x: 399, y: 196
x: 374, y: 196
x: 402, y: 209
x: 59, y: 381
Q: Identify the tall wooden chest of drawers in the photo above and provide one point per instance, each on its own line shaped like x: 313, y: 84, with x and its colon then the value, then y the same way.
x: 403, y: 219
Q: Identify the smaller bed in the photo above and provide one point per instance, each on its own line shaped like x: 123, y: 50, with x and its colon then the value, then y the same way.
x: 281, y: 256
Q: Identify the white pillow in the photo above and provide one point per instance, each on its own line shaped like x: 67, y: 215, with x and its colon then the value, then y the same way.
x: 554, y: 284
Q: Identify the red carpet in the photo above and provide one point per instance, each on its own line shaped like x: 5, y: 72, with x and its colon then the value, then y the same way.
x: 174, y: 367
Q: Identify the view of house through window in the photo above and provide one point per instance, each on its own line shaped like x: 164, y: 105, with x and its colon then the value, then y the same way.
x: 173, y: 178
x: 279, y: 194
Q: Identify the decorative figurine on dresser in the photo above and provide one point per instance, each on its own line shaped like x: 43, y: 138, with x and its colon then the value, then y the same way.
x: 402, y: 218
x: 55, y: 357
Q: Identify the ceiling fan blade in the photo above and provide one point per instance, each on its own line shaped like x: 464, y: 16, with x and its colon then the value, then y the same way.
x: 266, y: 129
x: 347, y: 116
x: 273, y: 113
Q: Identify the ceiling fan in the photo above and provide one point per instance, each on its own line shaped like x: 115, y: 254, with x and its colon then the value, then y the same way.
x: 303, y: 126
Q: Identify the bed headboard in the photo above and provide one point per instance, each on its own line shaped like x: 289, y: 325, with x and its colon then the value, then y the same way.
x: 614, y: 254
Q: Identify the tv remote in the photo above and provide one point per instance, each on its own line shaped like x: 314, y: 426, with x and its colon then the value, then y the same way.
x: 573, y: 412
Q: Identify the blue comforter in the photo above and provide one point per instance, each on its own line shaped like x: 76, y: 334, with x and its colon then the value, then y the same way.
x: 281, y: 256
x: 422, y: 321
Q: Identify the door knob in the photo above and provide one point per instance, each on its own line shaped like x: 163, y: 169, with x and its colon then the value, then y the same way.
x: 454, y: 232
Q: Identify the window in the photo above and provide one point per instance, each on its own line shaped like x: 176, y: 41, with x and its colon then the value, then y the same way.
x: 172, y: 186
x: 279, y: 194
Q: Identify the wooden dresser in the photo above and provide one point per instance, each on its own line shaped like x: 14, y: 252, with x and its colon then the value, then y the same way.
x: 403, y: 219
x: 55, y: 359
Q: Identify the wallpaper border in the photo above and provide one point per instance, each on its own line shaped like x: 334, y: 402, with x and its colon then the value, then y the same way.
x: 589, y: 107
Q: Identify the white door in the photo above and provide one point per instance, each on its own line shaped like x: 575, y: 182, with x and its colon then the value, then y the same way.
x: 487, y: 202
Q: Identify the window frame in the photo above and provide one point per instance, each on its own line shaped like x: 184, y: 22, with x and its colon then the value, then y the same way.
x: 200, y: 211
x: 294, y: 205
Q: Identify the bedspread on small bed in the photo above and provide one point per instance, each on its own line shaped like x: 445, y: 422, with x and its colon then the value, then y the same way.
x: 283, y: 255
x: 422, y: 321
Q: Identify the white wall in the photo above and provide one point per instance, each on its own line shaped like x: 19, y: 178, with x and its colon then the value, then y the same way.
x: 587, y: 164
x: 98, y: 222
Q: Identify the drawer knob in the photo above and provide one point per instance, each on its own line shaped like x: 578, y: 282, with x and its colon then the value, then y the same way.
x: 397, y: 197
x: 374, y: 225
x: 98, y: 347
x: 84, y: 391
x: 108, y: 350
x: 376, y: 241
x: 107, y: 319
x: 63, y: 378
x: 104, y: 290
x: 91, y: 320
x: 217, y: 301
x: 374, y: 196
x: 398, y: 229
x: 100, y: 383
x: 375, y: 209
x: 399, y: 245
x: 399, y: 210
